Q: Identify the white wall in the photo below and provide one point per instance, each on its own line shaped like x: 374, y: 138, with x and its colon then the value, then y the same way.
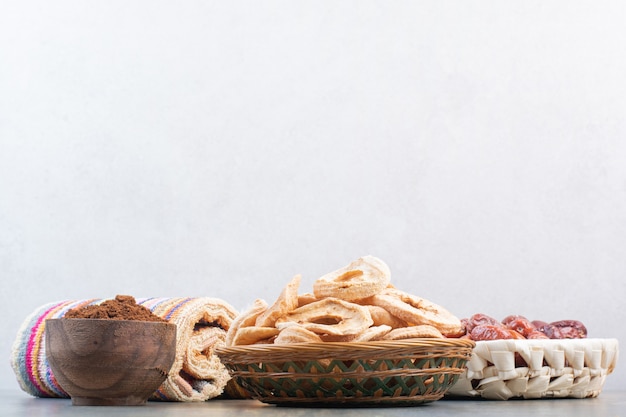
x: 216, y: 149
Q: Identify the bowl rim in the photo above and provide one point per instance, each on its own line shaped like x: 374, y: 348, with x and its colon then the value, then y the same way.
x: 60, y: 319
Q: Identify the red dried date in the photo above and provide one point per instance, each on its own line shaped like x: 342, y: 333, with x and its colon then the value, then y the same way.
x: 520, y: 324
x: 464, y: 324
x: 489, y: 332
x: 550, y: 331
x: 511, y: 318
x: 480, y: 319
x: 566, y: 329
x: 536, y: 334
x: 483, y: 327
x: 515, y: 334
x: 539, y: 324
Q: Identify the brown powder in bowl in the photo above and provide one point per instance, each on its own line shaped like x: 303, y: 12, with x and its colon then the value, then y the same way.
x: 123, y: 307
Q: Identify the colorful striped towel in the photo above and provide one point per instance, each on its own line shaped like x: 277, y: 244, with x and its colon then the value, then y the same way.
x: 196, y: 375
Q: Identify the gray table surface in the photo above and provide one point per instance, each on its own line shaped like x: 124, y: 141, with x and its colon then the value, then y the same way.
x: 613, y: 403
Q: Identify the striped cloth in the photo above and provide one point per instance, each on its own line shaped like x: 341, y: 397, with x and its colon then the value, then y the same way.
x: 196, y: 375
x: 28, y: 358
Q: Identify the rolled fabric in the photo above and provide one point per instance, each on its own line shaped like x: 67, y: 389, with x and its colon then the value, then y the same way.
x: 196, y: 375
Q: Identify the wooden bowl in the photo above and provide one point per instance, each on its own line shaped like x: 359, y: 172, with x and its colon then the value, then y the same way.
x: 109, y: 362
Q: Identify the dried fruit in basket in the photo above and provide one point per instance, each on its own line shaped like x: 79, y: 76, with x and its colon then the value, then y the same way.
x: 479, y: 319
x: 536, y: 334
x: 520, y: 324
x: 565, y: 329
x: 515, y: 334
x: 330, y: 316
x: 355, y: 303
x: 489, y: 332
x: 286, y: 302
x: 418, y: 311
x: 483, y: 327
x: 423, y: 330
x: 360, y: 279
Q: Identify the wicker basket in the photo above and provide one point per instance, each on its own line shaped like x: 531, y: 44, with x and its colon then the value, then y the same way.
x: 503, y: 369
x: 386, y: 373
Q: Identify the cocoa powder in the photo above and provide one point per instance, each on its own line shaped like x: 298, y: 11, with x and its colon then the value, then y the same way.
x: 123, y: 307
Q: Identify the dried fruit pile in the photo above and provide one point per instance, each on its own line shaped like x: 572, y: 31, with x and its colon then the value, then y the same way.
x: 483, y: 327
x: 355, y: 303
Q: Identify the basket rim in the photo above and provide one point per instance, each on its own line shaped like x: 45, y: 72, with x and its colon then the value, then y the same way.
x: 351, y: 346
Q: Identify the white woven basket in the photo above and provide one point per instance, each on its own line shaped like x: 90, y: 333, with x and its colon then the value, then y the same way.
x: 573, y: 368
